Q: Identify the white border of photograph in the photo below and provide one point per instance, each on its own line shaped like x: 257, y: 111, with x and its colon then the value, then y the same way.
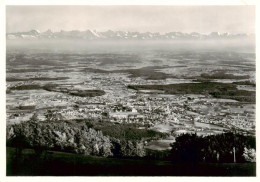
x: 3, y: 4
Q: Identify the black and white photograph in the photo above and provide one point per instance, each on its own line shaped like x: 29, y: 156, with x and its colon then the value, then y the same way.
x: 130, y: 90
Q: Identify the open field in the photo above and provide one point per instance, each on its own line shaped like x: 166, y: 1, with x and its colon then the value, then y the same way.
x: 68, y: 164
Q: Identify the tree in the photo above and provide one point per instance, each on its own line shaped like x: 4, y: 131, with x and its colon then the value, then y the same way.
x: 249, y: 154
x: 187, y: 148
x: 19, y: 141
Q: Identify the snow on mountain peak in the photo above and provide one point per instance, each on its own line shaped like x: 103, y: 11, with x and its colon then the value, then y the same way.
x: 109, y: 34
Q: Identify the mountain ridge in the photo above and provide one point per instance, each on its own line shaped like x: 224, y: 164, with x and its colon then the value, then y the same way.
x: 121, y: 35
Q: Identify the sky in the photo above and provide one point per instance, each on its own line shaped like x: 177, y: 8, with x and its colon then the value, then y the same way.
x: 202, y: 19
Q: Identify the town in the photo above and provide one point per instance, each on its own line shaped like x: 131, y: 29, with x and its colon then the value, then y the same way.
x: 153, y: 109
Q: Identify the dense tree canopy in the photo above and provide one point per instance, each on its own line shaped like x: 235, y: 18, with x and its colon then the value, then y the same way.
x: 213, y: 148
x: 70, y: 137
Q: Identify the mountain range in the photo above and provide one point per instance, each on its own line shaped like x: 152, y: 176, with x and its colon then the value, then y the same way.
x: 120, y: 35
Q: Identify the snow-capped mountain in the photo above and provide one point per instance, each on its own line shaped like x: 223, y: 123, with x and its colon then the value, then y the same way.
x: 121, y: 35
x: 33, y: 34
